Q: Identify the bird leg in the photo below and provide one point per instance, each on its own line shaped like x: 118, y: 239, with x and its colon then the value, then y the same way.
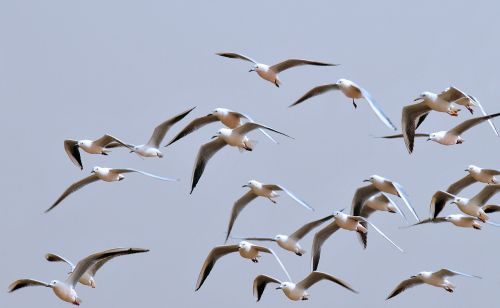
x: 273, y: 201
x: 254, y: 260
x: 354, y: 103
x: 276, y: 83
x: 470, y: 109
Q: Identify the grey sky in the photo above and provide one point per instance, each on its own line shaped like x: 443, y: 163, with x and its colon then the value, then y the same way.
x: 78, y: 69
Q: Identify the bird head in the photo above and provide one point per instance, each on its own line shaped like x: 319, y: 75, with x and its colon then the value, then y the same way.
x: 432, y: 137
x: 251, y: 184
x: 424, y: 95
x: 95, y: 169
x: 459, y: 201
x: 472, y: 168
x: 53, y: 283
x: 254, y: 68
x: 244, y: 245
x: 373, y: 178
x: 285, y: 285
x: 280, y: 238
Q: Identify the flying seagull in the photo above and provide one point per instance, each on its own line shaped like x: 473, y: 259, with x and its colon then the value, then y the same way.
x: 351, y: 90
x: 225, y: 136
x: 65, y: 290
x: 72, y: 147
x: 452, y: 136
x: 436, y: 279
x: 459, y: 220
x: 231, y: 119
x: 341, y: 221
x: 105, y: 174
x: 298, y: 291
x: 291, y: 242
x: 473, y: 207
x: 476, y: 174
x: 88, y: 276
x: 246, y: 249
x: 270, y: 72
x: 257, y: 189
x: 152, y: 147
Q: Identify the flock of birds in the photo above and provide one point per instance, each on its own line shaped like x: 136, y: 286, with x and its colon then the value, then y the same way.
x: 368, y: 199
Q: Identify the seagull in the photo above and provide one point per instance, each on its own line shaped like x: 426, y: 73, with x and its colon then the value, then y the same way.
x: 291, y: 242
x: 246, y: 249
x: 231, y: 119
x: 381, y: 184
x: 151, y: 148
x: 351, y: 90
x: 342, y: 221
x: 296, y: 292
x: 458, y: 220
x: 105, y: 174
x: 257, y: 189
x: 88, y: 276
x: 476, y: 174
x: 92, y: 147
x: 473, y: 207
x: 452, y: 136
x: 436, y: 279
x: 65, y: 290
x: 225, y: 136
x: 270, y: 72
x: 377, y: 202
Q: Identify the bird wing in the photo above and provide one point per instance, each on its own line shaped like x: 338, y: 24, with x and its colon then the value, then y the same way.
x: 259, y: 284
x: 361, y: 195
x: 293, y: 196
x: 238, y: 206
x: 402, y: 193
x: 404, y: 285
x: 485, y: 194
x: 56, y: 258
x: 128, y: 170
x: 314, y: 277
x: 236, y: 56
x: 262, y: 239
x: 457, y: 187
x: 204, y: 154
x: 452, y: 94
x: 359, y: 218
x: 476, y: 101
x: 448, y: 273
x: 302, y: 231
x: 401, y: 136
x: 267, y: 250
x: 71, y: 148
x: 83, y: 265
x: 21, y: 283
x: 491, y: 208
x: 242, y: 115
x: 316, y: 91
x: 279, y: 67
x: 74, y: 187
x: 438, y: 202
x: 377, y: 109
x: 409, y: 117
x: 465, y: 125
x: 249, y: 126
x: 213, y: 256
x: 428, y: 220
x: 491, y: 171
x: 194, y: 125
x: 160, y: 130
x: 105, y: 140
x: 319, y: 238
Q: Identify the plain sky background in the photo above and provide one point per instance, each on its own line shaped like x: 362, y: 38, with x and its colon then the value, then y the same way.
x: 79, y: 69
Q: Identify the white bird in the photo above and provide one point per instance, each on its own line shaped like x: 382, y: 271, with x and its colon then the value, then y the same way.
x: 377, y: 202
x: 452, y: 136
x: 92, y: 147
x: 291, y: 242
x: 473, y: 207
x: 231, y: 119
x: 298, y: 291
x: 381, y: 184
x: 346, y: 222
x: 436, y: 279
x: 246, y: 249
x: 257, y: 189
x: 270, y: 72
x: 88, y: 277
x: 459, y: 220
x: 225, y: 136
x: 65, y: 290
x: 476, y: 174
x: 104, y: 174
x: 351, y: 90
x: 152, y: 147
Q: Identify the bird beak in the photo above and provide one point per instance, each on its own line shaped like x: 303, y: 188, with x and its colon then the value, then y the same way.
x: 279, y: 288
x: 416, y: 99
x: 246, y: 185
x: 466, y: 170
x: 413, y: 276
x: 209, y: 114
x: 429, y: 139
x: 213, y: 137
x: 92, y: 171
x: 251, y: 70
x: 453, y: 202
x: 366, y: 180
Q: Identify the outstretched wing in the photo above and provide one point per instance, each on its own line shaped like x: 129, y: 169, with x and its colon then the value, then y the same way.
x: 204, y: 154
x: 277, y: 68
x: 314, y: 277
x: 438, y: 202
x: 238, y: 206
x: 465, y: 125
x: 22, y: 283
x: 316, y: 91
x: 302, y: 231
x: 236, y: 56
x: 319, y: 238
x: 292, y: 195
x: 209, y: 263
x: 161, y: 130
x: 457, y: 187
x: 71, y: 148
x: 259, y: 284
x: 377, y: 109
x: 404, y: 285
x: 194, y: 125
x: 74, y: 187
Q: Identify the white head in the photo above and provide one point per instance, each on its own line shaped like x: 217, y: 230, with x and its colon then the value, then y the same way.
x: 257, y: 67
x: 436, y: 136
x: 222, y: 132
x: 96, y: 169
x: 244, y: 245
x: 419, y: 275
x: 425, y: 95
x: 338, y: 214
x: 343, y: 82
x: 252, y: 184
x: 374, y: 178
x: 281, y: 238
x: 53, y: 283
x: 472, y: 168
x: 219, y: 111
x: 460, y: 201
x: 286, y: 285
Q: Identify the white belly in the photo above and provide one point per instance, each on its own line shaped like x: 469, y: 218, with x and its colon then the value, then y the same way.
x: 289, y: 245
x: 65, y: 293
x: 463, y: 222
x: 148, y: 151
x: 230, y: 121
x: 469, y: 209
x: 448, y: 139
x: 482, y: 177
x: 348, y: 224
x: 351, y: 92
x: 249, y: 254
x: 267, y: 75
x: 294, y: 294
x: 438, y: 105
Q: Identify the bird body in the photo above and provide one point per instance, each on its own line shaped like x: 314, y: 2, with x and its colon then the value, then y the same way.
x: 65, y: 292
x: 446, y: 138
x: 383, y: 185
x: 377, y: 203
x: 261, y: 190
x: 288, y: 243
x: 470, y: 208
x: 91, y: 147
x: 227, y: 117
x: 346, y: 222
x: 435, y: 102
x: 235, y: 139
x: 486, y: 176
x: 107, y: 175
